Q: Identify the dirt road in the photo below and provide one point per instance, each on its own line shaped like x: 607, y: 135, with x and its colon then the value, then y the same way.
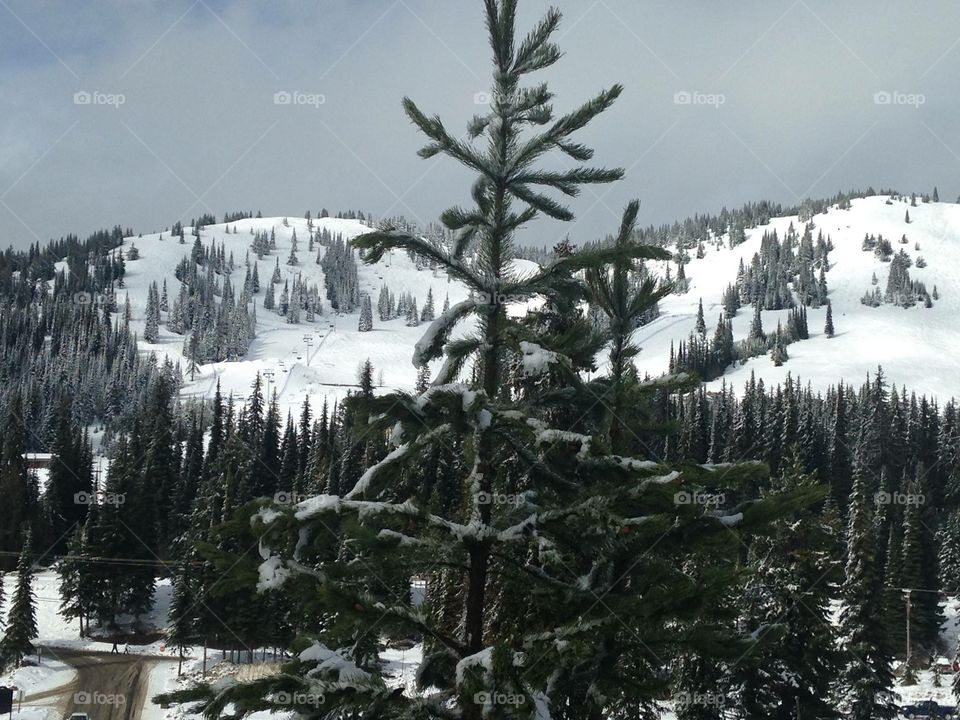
x: 107, y: 686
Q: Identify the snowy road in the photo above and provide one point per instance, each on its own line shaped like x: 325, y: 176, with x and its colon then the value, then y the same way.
x: 106, y: 687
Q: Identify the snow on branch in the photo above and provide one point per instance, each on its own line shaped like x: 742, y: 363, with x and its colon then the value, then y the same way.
x: 670, y: 477
x: 731, y: 520
x: 364, y: 482
x: 431, y: 344
x: 665, y: 381
x: 536, y: 359
x: 404, y: 540
x: 552, y: 436
x: 482, y: 659
x: 272, y: 572
x: 332, y: 663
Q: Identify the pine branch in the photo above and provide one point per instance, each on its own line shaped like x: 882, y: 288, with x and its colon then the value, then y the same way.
x: 442, y: 141
x: 430, y: 346
x: 535, y: 52
x: 563, y: 128
x: 456, y: 218
x: 457, y: 352
x: 375, y: 244
x: 568, y: 182
x: 542, y: 203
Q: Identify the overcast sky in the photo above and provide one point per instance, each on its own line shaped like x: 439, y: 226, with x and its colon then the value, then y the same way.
x: 143, y: 112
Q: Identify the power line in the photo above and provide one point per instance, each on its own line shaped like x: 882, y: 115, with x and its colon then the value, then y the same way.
x: 132, y: 562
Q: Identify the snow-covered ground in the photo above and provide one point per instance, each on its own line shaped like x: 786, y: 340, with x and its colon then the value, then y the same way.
x: 336, y: 347
x: 55, y: 631
x: 37, y: 686
x: 915, y: 346
x: 40, y: 683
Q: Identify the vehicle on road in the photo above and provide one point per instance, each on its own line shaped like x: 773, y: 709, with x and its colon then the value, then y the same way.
x: 79, y: 716
x: 928, y: 709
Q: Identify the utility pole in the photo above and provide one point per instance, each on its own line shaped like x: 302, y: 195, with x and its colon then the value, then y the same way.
x: 908, y: 626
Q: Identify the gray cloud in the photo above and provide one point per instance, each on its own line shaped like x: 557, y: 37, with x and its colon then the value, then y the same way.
x: 199, y: 130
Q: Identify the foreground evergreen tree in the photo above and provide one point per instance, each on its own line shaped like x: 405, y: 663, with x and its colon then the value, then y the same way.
x: 527, y: 636
x: 21, y: 629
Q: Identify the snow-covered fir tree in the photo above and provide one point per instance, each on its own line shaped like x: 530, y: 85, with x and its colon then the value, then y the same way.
x: 366, y: 314
x: 21, y: 625
x: 413, y: 315
x: 428, y: 313
x: 151, y: 332
x: 576, y: 499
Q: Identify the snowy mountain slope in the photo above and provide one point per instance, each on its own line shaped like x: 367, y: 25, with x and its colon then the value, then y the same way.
x: 336, y: 347
x: 916, y: 346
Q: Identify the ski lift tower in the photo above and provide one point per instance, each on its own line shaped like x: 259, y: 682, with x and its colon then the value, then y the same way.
x: 269, y: 375
x: 308, y: 339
